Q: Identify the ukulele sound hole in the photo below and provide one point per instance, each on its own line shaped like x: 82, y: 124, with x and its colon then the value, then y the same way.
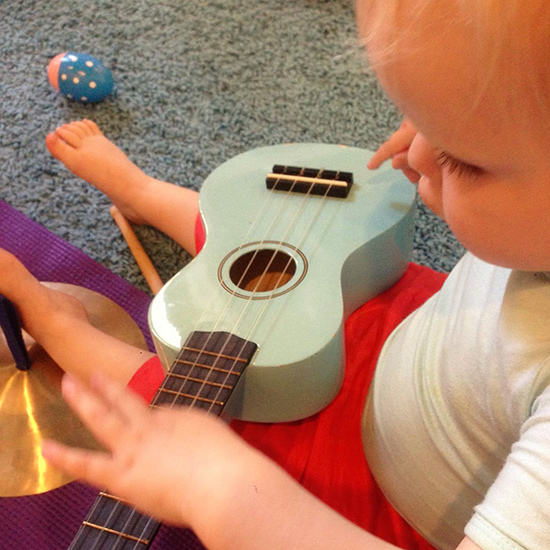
x: 262, y: 270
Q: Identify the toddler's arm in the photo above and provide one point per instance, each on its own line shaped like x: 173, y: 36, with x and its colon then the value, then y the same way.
x: 187, y: 467
x: 397, y: 148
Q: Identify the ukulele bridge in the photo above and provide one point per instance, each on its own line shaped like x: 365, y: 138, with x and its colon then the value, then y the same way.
x: 310, y: 181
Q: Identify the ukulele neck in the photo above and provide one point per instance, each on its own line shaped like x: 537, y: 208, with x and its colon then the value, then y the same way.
x: 204, y: 374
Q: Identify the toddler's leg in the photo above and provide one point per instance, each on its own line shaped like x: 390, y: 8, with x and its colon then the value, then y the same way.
x: 86, y: 152
x: 59, y: 323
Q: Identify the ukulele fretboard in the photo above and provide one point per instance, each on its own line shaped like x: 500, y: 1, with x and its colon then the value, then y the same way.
x: 203, y: 375
x: 206, y: 370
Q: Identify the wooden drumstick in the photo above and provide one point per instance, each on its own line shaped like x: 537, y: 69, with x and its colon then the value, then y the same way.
x: 147, y: 268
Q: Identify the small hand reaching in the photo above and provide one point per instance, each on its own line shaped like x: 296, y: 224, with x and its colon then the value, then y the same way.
x: 397, y: 148
x: 163, y: 461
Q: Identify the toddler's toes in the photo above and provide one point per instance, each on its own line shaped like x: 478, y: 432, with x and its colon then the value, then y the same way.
x: 91, y: 126
x: 78, y: 128
x: 58, y: 148
x: 69, y: 135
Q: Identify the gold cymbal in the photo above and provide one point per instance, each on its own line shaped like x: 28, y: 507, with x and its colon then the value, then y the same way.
x: 32, y: 408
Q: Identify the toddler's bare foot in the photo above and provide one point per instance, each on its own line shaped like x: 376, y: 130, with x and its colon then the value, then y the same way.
x: 142, y: 199
x: 43, y: 311
x: 86, y: 152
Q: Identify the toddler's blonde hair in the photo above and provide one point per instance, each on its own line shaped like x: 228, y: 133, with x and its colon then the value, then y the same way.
x: 512, y: 38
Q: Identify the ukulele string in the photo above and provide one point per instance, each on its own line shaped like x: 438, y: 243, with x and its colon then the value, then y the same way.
x: 266, y: 270
x: 267, y: 301
x: 280, y: 278
x: 231, y: 370
x: 195, y: 364
x: 253, y: 291
x: 122, y: 534
x: 315, y: 218
x: 99, y: 532
x: 249, y: 300
x: 251, y: 228
x: 232, y: 294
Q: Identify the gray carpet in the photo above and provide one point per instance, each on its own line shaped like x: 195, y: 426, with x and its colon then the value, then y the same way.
x: 197, y: 82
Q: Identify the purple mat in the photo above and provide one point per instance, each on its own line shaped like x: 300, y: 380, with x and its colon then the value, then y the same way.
x: 50, y: 520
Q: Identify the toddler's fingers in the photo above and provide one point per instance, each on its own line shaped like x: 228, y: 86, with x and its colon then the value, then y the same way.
x: 104, y: 421
x: 398, y: 143
x: 389, y: 149
x: 401, y: 162
x: 120, y: 399
x: 383, y: 153
x: 411, y: 175
x: 91, y: 466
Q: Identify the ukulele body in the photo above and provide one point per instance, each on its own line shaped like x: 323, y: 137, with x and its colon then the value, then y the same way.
x: 334, y: 253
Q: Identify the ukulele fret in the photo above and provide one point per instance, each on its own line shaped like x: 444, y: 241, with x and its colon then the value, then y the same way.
x: 202, y: 366
x: 310, y: 181
x: 114, y: 532
x: 109, y: 495
x: 193, y: 379
x: 213, y: 354
x: 190, y: 396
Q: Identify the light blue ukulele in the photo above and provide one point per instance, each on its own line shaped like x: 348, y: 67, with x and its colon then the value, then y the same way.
x: 285, y: 263
x: 298, y: 236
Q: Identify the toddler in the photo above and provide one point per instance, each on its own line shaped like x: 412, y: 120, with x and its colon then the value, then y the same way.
x: 456, y: 424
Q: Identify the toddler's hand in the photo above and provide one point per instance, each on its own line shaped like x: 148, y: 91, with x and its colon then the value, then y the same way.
x: 397, y: 149
x: 162, y: 461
